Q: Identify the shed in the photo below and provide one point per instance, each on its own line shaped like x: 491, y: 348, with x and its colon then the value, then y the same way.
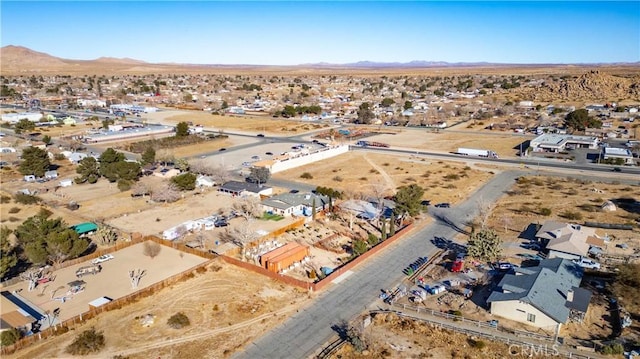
x: 66, y: 183
x: 99, y: 302
x: 85, y: 228
x: 282, y: 261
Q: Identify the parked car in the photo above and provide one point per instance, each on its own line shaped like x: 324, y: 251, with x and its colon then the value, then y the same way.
x: 269, y: 153
x: 587, y: 263
x: 103, y: 258
x: 443, y: 205
x: 222, y: 149
x: 255, y: 157
x: 220, y: 223
x: 617, y: 169
x: 531, y: 245
x: 504, y: 266
x: 260, y: 135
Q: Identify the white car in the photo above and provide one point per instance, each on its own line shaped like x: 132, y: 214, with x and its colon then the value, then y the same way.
x: 587, y: 263
x: 103, y: 258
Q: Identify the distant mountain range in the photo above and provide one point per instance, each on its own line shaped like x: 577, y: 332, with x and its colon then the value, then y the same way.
x: 21, y: 60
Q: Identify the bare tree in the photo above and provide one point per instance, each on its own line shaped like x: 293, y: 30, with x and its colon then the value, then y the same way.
x: 378, y: 190
x: 142, y: 187
x: 165, y: 192
x: 506, y: 222
x: 484, y: 212
x: 247, y: 207
x: 165, y: 156
x: 220, y: 174
x: 32, y: 277
x: 200, y: 166
x: 241, y: 236
x: 151, y: 249
x: 106, y: 236
x: 136, y: 275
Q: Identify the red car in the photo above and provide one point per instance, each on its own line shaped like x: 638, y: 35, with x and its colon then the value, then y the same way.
x: 457, y: 266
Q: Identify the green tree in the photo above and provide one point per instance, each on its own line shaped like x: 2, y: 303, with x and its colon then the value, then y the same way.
x: 35, y: 161
x: 225, y: 105
x: 46, y: 139
x: 408, y: 105
x: 123, y: 170
x: 149, y: 156
x: 111, y: 156
x: 289, y: 111
x: 365, y: 114
x: 24, y: 125
x: 8, y: 257
x: 485, y: 245
x: 45, y: 239
x: 386, y: 102
x: 578, y: 120
x: 9, y: 337
x: 392, y: 224
x: 182, y: 129
x: 185, y: 181
x: 409, y: 200
x: 313, y: 209
x: 383, y: 229
x: 259, y: 175
x: 88, y: 169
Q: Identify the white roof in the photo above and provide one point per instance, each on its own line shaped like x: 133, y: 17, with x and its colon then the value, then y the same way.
x: 617, y: 151
x: 100, y: 301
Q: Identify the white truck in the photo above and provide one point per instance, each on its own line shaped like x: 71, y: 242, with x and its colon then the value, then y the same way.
x: 475, y: 152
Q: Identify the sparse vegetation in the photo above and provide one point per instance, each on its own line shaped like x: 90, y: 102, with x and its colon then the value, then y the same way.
x: 87, y: 342
x: 178, y: 321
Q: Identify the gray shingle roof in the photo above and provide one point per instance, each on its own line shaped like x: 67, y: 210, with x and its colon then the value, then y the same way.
x: 236, y: 186
x: 286, y: 200
x: 545, y: 287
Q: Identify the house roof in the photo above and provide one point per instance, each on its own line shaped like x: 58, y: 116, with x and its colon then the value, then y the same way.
x: 581, y: 299
x: 545, y: 287
x: 15, y: 319
x: 287, y: 200
x: 237, y: 186
x: 567, y: 238
x: 360, y: 208
x: 85, y: 227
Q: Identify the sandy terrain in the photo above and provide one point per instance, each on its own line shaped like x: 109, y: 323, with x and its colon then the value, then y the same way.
x: 227, y: 307
x: 113, y: 281
x: 503, y: 143
x: 244, y: 123
x: 359, y: 172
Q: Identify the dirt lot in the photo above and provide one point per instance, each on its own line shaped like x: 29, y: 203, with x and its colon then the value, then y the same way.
x: 358, y: 172
x: 112, y: 281
x: 227, y: 308
x: 389, y: 336
x: 503, y: 143
x: 246, y: 123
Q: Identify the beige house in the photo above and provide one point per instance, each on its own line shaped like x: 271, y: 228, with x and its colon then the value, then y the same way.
x: 545, y: 296
x: 565, y: 240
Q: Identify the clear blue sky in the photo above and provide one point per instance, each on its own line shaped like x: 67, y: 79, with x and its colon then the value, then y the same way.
x: 290, y: 33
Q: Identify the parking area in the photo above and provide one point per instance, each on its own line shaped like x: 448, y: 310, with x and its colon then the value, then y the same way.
x: 112, y: 281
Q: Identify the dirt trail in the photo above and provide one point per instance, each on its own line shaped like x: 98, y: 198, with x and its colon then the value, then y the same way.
x: 382, y: 172
x: 163, y: 342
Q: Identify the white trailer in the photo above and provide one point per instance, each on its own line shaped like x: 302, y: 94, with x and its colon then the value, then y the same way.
x: 476, y: 152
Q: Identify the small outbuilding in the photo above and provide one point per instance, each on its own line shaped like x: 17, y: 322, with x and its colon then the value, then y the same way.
x: 85, y: 228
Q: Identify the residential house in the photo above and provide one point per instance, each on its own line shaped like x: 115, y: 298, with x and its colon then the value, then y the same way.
x: 16, y: 312
x: 545, y: 296
x: 288, y: 204
x: 241, y: 189
x: 570, y: 241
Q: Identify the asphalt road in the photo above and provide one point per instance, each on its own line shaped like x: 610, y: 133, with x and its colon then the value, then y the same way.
x: 310, y: 328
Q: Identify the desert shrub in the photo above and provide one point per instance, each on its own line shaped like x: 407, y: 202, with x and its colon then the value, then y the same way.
x: 87, y: 342
x: 5, y: 199
x: 572, y: 192
x: 478, y: 344
x: 363, y: 178
x: 151, y: 249
x: 124, y: 185
x: 372, y: 239
x: 306, y: 175
x: 613, y: 349
x: 571, y: 215
x: 178, y: 321
x: 451, y: 186
x: 557, y: 186
x: 538, y: 182
x: 13, y: 219
x: 545, y: 211
x: 59, y: 157
x: 14, y: 209
x: 374, y: 171
x: 337, y: 179
x: 522, y: 180
x: 8, y: 337
x: 25, y: 198
x: 452, y: 177
x: 386, y: 164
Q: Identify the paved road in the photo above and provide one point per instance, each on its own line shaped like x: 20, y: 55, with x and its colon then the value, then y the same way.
x: 302, y: 334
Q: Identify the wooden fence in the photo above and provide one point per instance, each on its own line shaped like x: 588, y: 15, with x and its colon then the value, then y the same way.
x: 118, y: 303
x: 279, y: 277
